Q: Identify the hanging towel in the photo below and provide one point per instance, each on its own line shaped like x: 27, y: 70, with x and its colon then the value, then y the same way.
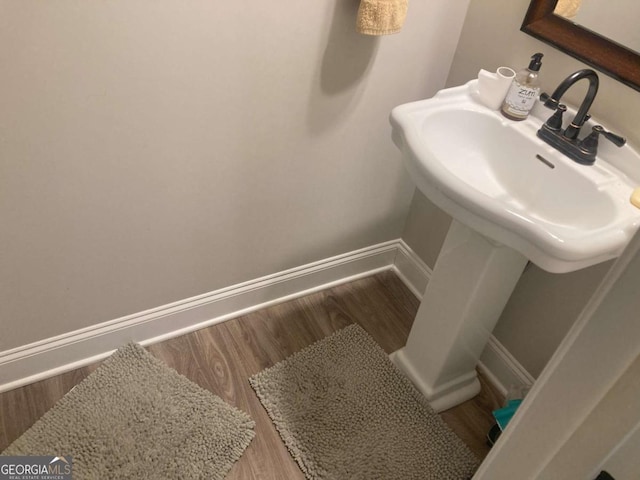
x: 567, y: 8
x: 381, y: 17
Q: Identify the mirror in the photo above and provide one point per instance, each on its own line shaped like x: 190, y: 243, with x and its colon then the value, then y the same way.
x: 608, y: 21
x: 595, y: 49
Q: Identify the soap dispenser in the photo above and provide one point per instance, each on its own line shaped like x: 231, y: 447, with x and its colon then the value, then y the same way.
x: 524, y: 91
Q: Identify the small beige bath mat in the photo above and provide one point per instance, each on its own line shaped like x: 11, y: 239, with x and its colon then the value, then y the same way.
x: 135, y: 417
x: 346, y: 412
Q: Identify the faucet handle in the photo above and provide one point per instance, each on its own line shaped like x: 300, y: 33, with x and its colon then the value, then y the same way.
x: 617, y: 140
x: 554, y: 122
x: 590, y: 143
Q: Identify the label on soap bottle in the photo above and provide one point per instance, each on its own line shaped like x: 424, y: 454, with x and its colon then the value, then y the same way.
x: 520, y: 99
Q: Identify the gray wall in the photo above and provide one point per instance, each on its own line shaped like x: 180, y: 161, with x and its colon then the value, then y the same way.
x: 543, y: 306
x: 151, y: 150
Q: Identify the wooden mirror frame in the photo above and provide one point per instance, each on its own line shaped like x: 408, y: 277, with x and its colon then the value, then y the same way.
x: 593, y: 49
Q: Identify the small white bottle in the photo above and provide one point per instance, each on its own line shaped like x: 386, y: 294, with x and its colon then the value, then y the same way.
x: 524, y: 91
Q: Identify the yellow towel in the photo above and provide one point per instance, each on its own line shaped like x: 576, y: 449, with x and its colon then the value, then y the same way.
x: 381, y: 17
x: 567, y: 8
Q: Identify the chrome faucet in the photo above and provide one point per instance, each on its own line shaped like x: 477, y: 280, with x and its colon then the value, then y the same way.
x: 566, y: 141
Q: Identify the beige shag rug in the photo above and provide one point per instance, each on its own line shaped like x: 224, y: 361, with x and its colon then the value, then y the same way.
x: 135, y: 417
x: 346, y: 412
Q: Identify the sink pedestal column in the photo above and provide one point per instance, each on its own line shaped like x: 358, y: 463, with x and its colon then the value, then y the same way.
x: 471, y: 283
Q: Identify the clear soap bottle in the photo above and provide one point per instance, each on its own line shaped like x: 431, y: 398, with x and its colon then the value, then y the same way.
x: 524, y: 91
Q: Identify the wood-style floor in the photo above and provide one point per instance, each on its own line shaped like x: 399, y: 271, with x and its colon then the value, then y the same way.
x: 221, y: 358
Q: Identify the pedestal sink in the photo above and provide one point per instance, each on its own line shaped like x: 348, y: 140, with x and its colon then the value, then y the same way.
x: 513, y: 198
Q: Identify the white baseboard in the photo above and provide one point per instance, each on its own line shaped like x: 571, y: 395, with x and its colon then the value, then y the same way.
x: 410, y: 268
x: 496, y: 362
x: 502, y: 369
x: 52, y: 356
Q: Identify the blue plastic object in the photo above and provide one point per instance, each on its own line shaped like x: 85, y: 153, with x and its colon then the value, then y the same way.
x: 503, y: 415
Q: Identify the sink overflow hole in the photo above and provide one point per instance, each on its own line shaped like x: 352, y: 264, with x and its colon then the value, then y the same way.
x: 545, y: 161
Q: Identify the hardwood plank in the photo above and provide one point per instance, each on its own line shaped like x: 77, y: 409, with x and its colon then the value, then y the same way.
x: 20, y: 408
x: 266, y: 457
x: 472, y: 419
x: 221, y: 358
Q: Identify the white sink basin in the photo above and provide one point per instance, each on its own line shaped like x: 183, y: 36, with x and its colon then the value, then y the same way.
x: 495, y: 176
